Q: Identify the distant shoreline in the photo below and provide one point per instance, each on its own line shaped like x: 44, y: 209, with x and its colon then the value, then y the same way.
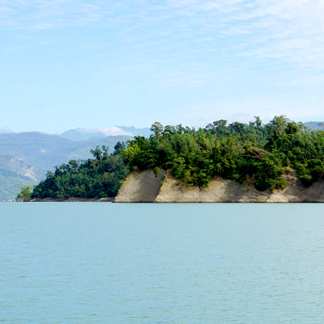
x: 110, y: 199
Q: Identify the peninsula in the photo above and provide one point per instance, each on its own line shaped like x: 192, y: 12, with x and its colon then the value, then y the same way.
x: 281, y: 161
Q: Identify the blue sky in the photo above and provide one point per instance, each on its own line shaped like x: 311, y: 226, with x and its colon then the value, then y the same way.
x: 73, y: 63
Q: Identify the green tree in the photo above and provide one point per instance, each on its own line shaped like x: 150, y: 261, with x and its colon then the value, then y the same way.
x: 157, y: 129
x: 25, y: 193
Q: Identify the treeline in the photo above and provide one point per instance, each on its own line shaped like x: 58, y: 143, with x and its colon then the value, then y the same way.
x: 255, y: 152
x: 99, y: 177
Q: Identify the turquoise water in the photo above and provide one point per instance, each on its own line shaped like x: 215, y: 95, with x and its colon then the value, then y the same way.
x: 161, y: 263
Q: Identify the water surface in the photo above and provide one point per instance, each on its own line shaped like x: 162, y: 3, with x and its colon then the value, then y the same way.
x: 161, y: 263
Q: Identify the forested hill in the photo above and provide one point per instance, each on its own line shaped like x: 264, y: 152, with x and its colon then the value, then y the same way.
x: 99, y: 177
x: 254, y: 153
x: 40, y: 152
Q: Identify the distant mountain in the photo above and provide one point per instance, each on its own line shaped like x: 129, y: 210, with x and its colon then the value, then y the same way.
x: 136, y: 131
x: 79, y: 135
x: 45, y: 151
x: 82, y: 151
x: 315, y: 125
x: 83, y: 134
x: 21, y: 168
x: 5, y: 130
x: 15, y: 173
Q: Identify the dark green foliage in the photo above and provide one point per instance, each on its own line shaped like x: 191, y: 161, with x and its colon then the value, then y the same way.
x: 93, y: 178
x: 310, y: 171
x: 241, y: 152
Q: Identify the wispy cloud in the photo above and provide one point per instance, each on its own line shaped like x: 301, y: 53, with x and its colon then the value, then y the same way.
x: 107, y: 131
x: 289, y: 29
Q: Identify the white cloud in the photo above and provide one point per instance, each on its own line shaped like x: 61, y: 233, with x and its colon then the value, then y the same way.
x: 108, y: 131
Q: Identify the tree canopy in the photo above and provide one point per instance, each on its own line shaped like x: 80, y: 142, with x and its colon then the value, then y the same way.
x: 25, y: 193
x: 255, y: 152
x: 93, y: 178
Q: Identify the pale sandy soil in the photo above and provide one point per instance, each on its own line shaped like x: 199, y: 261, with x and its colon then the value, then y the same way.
x: 145, y: 187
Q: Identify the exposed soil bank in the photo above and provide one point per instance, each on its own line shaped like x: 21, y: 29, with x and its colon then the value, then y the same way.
x: 145, y: 187
x: 140, y: 187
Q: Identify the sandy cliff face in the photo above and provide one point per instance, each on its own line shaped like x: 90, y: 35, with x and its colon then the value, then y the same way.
x: 140, y: 187
x: 145, y: 187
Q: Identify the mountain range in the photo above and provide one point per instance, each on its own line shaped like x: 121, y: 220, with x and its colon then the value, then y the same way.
x: 315, y: 125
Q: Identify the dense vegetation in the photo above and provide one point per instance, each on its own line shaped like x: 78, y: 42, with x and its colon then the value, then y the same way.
x: 93, y: 178
x: 255, y: 153
x: 38, y: 152
x: 247, y: 153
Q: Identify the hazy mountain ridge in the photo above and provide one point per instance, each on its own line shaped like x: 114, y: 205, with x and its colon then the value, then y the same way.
x: 77, y: 135
x: 10, y: 185
x: 136, y: 131
x: 5, y: 130
x: 15, y: 173
x: 315, y: 125
x: 84, y: 134
x: 45, y: 151
x: 26, y: 157
x: 20, y: 168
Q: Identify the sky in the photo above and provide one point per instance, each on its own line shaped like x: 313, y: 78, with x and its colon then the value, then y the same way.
x: 66, y: 64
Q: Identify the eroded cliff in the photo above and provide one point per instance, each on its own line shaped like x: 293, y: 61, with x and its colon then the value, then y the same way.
x: 146, y: 187
x: 140, y: 187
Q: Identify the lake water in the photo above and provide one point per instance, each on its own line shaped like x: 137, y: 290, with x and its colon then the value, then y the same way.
x: 161, y: 263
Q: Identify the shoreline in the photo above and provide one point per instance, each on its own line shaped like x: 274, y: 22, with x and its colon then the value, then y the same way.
x: 145, y: 186
x: 108, y: 199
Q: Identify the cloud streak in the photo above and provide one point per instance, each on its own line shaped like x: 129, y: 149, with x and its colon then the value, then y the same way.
x: 275, y: 29
x: 107, y: 131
